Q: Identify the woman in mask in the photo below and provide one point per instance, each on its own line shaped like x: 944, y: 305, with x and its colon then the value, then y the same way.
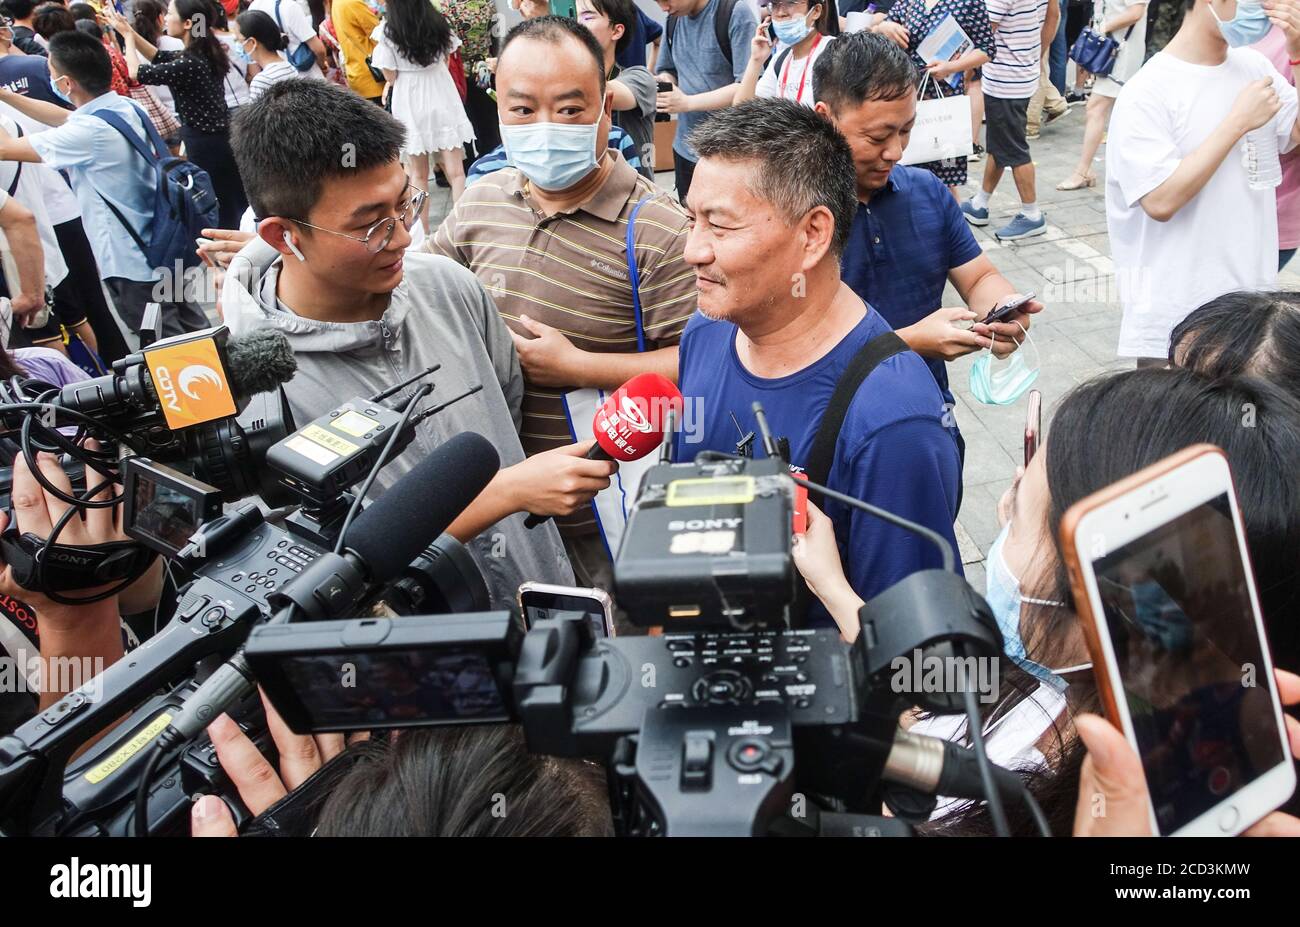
x: 414, y: 43
x: 803, y: 31
x: 910, y: 23
x: 1103, y: 431
x: 260, y: 40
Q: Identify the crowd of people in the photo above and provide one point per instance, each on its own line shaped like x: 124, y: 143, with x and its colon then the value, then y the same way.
x: 787, y: 249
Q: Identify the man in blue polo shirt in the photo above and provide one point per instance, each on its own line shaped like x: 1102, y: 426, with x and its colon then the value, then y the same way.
x: 909, y: 237
x: 772, y: 202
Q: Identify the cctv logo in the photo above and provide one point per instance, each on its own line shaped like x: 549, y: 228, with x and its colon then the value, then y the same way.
x: 191, y: 383
x: 198, y: 373
x: 103, y: 880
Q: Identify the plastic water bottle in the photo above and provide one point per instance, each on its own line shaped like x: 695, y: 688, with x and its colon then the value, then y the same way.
x: 1260, y: 158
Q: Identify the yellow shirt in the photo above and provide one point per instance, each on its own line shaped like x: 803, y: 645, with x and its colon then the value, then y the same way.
x: 353, y: 23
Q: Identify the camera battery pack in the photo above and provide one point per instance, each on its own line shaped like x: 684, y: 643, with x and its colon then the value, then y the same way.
x: 707, y: 545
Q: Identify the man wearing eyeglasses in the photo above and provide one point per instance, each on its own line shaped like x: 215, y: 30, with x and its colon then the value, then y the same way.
x: 330, y: 269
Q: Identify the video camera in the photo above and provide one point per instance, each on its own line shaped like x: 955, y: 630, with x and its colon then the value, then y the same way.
x: 325, y: 561
x: 700, y: 726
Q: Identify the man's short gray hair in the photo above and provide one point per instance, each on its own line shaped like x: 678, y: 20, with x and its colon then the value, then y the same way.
x: 803, y: 161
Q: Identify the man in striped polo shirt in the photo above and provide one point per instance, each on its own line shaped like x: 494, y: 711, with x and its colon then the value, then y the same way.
x: 547, y: 237
x: 1022, y: 29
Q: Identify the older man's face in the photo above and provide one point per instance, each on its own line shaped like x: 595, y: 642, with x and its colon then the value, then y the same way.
x: 746, y: 256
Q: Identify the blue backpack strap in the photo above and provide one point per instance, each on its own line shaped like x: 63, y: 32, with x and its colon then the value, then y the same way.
x: 633, y: 274
x: 117, y: 122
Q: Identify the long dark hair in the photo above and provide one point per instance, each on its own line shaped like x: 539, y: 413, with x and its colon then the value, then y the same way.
x: 145, y: 20
x: 419, y: 32
x: 1110, y: 428
x: 203, y: 42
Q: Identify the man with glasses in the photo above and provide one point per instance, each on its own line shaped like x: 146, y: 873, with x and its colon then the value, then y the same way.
x: 555, y: 237
x: 330, y: 269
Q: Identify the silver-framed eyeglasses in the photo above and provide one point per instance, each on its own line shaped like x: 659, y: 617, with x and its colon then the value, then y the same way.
x: 380, y: 234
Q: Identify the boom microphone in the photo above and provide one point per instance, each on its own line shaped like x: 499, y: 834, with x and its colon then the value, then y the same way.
x: 397, y: 527
x: 630, y: 423
x: 260, y: 361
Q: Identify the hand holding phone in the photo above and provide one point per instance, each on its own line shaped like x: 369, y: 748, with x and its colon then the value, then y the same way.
x: 1165, y: 595
x: 1007, y: 310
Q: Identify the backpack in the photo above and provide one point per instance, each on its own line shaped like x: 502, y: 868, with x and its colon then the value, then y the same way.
x: 184, y: 201
x: 721, y: 27
x: 302, y: 57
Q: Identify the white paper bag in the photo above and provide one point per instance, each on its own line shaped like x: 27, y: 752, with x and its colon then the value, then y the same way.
x: 941, y: 131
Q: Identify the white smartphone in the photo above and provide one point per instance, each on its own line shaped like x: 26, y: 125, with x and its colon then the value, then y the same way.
x: 539, y: 601
x: 1164, y: 589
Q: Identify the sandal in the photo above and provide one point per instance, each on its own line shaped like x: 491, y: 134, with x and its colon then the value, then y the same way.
x: 1077, y: 181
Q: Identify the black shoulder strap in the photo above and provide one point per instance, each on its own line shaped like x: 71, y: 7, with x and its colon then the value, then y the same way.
x: 780, y: 60
x: 18, y: 169
x: 873, y: 353
x: 818, y: 465
x: 722, y: 26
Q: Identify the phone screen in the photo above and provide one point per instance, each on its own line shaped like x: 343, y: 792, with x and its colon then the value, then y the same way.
x: 1190, y: 662
x: 539, y: 606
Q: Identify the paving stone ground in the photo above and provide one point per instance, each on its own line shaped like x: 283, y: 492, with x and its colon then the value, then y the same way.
x: 1076, y: 335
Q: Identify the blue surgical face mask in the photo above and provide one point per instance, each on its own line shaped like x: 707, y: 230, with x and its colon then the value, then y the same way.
x: 1001, y: 382
x: 242, y: 53
x: 54, y: 85
x: 791, y: 31
x: 1247, y: 27
x: 551, y: 155
x: 1002, y: 592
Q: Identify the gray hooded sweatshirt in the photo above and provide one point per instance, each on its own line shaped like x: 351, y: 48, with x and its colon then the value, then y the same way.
x: 439, y: 314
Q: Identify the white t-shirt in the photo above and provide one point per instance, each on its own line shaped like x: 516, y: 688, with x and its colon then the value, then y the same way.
x: 294, y: 22
x: 795, y: 82
x: 1225, y: 238
x: 60, y: 202
x: 30, y: 192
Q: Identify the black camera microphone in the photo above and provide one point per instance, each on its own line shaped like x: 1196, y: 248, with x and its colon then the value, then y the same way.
x: 387, y: 535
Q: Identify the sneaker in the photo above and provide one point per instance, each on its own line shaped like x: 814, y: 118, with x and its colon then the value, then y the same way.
x: 1019, y: 227
x: 977, y: 154
x: 1051, y: 117
x: 974, y: 216
x: 1076, y: 96
x: 1031, y: 135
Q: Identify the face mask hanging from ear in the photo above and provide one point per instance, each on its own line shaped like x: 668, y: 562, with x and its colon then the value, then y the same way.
x: 288, y: 240
x: 1000, y: 383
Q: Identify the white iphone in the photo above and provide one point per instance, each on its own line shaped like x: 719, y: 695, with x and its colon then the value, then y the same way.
x: 1164, y: 589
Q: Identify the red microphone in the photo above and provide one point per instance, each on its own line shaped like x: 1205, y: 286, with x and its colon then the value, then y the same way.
x: 630, y: 423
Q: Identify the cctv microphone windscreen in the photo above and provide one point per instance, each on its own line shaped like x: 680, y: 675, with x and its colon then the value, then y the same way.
x: 394, y: 529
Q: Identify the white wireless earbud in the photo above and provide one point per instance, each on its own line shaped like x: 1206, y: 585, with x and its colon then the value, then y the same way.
x: 292, y: 247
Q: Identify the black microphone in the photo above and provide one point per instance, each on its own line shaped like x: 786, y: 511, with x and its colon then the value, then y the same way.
x: 260, y: 361
x: 397, y: 527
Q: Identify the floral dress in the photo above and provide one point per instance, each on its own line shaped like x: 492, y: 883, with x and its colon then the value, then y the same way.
x: 973, y: 17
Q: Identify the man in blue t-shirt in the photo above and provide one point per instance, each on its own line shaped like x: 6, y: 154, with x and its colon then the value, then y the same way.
x: 772, y: 203
x: 645, y: 32
x: 908, y: 236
